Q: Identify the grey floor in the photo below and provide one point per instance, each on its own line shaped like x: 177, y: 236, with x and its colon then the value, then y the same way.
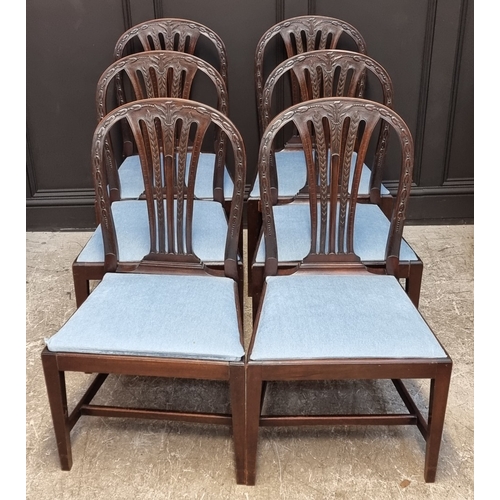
x: 124, y: 459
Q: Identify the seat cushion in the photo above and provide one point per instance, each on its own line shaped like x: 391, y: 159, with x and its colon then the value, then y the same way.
x: 291, y: 170
x: 132, y: 230
x: 293, y: 234
x: 132, y: 184
x: 155, y: 315
x: 312, y: 316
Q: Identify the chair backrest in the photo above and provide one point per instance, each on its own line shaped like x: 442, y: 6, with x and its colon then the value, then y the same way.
x: 334, y: 73
x: 328, y: 129
x: 159, y: 73
x: 162, y: 128
x: 182, y: 35
x: 304, y: 34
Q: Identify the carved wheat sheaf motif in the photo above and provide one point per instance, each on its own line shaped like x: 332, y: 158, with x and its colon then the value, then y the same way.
x: 151, y: 140
x: 148, y: 83
x: 159, y: 65
x: 344, y: 70
x: 352, y: 135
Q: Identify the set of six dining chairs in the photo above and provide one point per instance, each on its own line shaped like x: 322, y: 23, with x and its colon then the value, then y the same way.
x: 333, y: 284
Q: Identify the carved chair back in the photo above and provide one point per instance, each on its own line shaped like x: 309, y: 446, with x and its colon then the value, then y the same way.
x: 328, y: 129
x: 334, y: 73
x: 162, y: 128
x: 180, y: 35
x: 159, y: 73
x: 304, y: 34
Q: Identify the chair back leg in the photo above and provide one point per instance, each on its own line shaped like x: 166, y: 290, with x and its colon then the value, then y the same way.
x: 414, y: 282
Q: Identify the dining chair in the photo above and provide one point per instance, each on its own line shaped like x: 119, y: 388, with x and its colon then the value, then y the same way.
x: 329, y: 73
x: 168, y: 314
x: 155, y: 74
x: 331, y: 318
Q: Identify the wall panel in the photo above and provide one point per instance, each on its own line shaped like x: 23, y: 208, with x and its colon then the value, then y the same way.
x: 460, y: 159
x: 68, y: 45
x: 426, y: 46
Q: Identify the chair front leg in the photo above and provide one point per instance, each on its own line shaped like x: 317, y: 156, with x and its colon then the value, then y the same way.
x: 56, y: 390
x: 437, y: 408
x: 237, y: 389
x: 254, y: 396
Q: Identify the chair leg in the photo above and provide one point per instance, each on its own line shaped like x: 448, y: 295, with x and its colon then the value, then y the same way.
x: 414, y: 282
x: 227, y: 209
x: 237, y: 388
x: 387, y: 205
x: 437, y: 410
x: 81, y: 285
x: 254, y: 224
x: 255, y: 287
x: 254, y: 396
x: 241, y: 287
x: 56, y: 390
x: 255, y: 304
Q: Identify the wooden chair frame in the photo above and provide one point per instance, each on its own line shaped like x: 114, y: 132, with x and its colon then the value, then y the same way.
x: 334, y: 255
x: 439, y: 374
x: 168, y: 256
x: 55, y: 365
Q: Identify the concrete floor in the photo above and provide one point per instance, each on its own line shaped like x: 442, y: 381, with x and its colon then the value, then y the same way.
x: 133, y: 459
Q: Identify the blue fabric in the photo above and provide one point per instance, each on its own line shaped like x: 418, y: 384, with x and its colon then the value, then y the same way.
x: 312, y: 316
x: 292, y: 175
x: 132, y: 184
x: 132, y: 230
x: 155, y: 315
x: 293, y: 234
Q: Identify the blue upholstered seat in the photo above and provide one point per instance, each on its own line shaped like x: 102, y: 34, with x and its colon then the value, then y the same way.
x: 291, y: 170
x: 132, y: 183
x: 313, y: 316
x: 132, y: 230
x: 155, y: 315
x: 293, y: 234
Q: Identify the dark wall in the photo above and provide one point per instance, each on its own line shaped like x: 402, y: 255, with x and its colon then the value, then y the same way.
x: 426, y: 46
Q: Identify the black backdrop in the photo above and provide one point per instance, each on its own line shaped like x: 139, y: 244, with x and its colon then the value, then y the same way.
x: 426, y: 46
